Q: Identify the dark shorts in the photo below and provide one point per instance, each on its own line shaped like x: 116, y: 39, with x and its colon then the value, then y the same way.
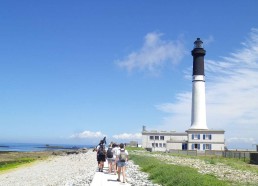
x: 101, y: 158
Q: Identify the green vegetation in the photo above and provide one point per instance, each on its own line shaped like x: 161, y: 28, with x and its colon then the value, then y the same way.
x: 239, y: 164
x: 236, y: 163
x: 129, y: 148
x: 168, y: 174
x: 6, y: 165
x: 10, y: 160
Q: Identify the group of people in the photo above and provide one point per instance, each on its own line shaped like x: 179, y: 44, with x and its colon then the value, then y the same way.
x: 115, y: 155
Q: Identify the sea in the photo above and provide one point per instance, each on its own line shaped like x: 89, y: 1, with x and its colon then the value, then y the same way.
x: 30, y: 147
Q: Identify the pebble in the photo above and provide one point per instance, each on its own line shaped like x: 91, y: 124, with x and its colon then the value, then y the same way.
x: 221, y: 171
x: 79, y: 170
x: 67, y: 170
x: 135, y: 177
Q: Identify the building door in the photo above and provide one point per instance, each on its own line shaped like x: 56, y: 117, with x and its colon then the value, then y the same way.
x: 184, y: 146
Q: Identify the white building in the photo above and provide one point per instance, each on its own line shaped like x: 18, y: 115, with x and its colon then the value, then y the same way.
x: 198, y: 137
x: 189, y: 140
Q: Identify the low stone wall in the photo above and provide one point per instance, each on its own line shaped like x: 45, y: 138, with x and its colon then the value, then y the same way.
x: 237, y: 154
x: 245, y: 155
x: 149, y: 149
x: 254, y: 158
x: 214, y: 152
x: 185, y: 152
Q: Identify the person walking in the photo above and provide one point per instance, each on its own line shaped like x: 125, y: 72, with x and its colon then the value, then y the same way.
x: 115, y: 151
x: 101, y: 156
x: 122, y: 158
x: 110, y: 158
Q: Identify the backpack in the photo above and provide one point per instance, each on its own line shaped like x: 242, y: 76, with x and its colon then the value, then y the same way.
x: 122, y: 155
x: 109, y: 153
x: 101, y: 150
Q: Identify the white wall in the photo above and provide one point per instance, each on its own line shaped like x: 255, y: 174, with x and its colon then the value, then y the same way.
x: 174, y: 146
x: 175, y: 140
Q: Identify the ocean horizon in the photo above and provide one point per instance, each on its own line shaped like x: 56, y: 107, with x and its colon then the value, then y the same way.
x: 32, y: 147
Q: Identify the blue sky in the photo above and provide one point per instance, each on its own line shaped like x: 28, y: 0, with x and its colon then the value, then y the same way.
x: 75, y: 71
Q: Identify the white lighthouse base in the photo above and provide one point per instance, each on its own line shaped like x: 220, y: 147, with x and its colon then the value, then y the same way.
x: 198, y: 103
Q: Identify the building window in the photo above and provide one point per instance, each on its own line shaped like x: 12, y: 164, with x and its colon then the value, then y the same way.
x: 160, y: 144
x: 161, y: 137
x: 151, y: 137
x: 195, y: 146
x: 164, y: 144
x: 153, y: 144
x: 157, y: 145
x: 156, y: 137
x: 207, y: 136
x: 206, y: 146
x: 196, y: 136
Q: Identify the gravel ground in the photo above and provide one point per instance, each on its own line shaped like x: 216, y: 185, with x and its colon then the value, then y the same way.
x: 79, y: 170
x: 221, y: 171
x: 67, y: 170
x: 135, y: 177
x: 74, y: 169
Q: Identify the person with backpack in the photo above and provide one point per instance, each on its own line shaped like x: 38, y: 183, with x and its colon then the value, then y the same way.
x: 110, y: 158
x: 122, y: 158
x: 115, y: 151
x: 101, y: 156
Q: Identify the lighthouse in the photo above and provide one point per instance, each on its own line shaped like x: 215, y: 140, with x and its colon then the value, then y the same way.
x: 198, y: 137
x: 198, y: 120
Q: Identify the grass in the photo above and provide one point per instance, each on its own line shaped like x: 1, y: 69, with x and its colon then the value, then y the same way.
x: 239, y: 164
x: 236, y: 163
x: 129, y: 148
x: 10, y: 160
x: 6, y: 165
x: 167, y: 174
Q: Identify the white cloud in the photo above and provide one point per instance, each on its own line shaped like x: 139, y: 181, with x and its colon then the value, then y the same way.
x: 127, y: 136
x: 231, y: 95
x: 153, y: 55
x: 87, y: 134
x: 209, y: 40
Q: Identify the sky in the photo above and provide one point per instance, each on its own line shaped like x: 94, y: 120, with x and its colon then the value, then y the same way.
x: 73, y: 72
